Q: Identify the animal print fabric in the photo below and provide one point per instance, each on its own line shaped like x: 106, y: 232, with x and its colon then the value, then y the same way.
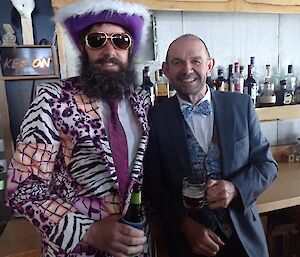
x: 62, y: 176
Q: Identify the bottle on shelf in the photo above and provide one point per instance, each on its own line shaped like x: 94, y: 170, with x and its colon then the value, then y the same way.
x: 210, y: 82
x: 241, y: 79
x: 250, y: 85
x: 236, y: 87
x: 267, y: 96
x: 283, y: 95
x: 147, y: 84
x: 161, y: 87
x: 252, y: 63
x: 135, y: 216
x: 219, y: 82
x: 227, y: 84
x: 291, y: 80
x: 255, y: 76
x: 297, y: 94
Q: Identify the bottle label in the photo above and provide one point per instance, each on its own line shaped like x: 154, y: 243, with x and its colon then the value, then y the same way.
x: 136, y: 198
x: 226, y: 86
x: 287, y: 98
x: 162, y: 90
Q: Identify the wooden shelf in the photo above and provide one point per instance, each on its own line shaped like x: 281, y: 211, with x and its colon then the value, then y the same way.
x: 274, y: 113
x: 254, y: 6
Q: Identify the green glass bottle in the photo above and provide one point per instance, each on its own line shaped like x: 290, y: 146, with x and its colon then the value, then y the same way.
x: 135, y: 213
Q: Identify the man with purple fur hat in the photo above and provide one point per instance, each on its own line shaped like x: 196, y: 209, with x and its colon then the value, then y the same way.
x: 72, y: 173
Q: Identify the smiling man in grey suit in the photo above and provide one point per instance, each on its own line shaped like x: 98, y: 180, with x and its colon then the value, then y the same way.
x: 199, y: 130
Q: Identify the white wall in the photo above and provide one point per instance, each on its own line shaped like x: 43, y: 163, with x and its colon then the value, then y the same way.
x: 272, y: 38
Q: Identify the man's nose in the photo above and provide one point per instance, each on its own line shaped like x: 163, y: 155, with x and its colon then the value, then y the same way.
x: 109, y: 47
x: 187, y: 67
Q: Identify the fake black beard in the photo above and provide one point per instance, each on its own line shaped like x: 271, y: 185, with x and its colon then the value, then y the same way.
x: 106, y: 85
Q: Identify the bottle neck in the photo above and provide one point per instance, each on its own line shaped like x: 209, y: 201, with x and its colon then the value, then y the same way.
x: 136, y: 198
x: 250, y: 71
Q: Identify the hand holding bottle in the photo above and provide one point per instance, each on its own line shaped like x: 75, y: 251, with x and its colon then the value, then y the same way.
x: 134, y: 216
x: 117, y: 239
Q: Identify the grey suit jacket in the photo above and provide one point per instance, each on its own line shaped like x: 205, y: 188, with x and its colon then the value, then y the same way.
x: 246, y: 160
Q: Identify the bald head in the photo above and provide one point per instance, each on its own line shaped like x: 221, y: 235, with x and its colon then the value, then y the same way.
x: 187, y: 37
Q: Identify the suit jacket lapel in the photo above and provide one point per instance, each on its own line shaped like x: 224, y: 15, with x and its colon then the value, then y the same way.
x: 225, y: 123
x: 138, y: 105
x: 175, y: 123
x: 91, y: 109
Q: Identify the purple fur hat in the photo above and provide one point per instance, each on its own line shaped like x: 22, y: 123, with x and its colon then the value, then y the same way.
x: 78, y: 16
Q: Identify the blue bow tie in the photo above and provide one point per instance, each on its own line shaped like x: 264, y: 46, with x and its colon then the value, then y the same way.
x: 203, y: 108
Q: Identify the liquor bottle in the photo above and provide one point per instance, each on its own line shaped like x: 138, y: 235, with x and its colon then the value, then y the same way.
x: 241, y: 79
x: 250, y: 85
x: 267, y: 96
x: 135, y: 213
x: 297, y: 150
x: 210, y: 82
x: 161, y: 87
x: 297, y: 94
x: 147, y: 84
x: 255, y: 76
x: 291, y: 80
x: 254, y: 72
x: 236, y: 78
x: 280, y: 92
x: 283, y: 95
x: 219, y: 82
x: 227, y: 82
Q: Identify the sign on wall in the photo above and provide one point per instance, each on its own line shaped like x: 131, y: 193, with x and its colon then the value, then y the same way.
x: 28, y: 62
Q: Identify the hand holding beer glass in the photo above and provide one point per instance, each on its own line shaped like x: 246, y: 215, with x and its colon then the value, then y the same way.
x: 194, y: 191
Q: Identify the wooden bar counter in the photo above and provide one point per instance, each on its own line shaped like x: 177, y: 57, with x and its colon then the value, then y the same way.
x: 285, y: 190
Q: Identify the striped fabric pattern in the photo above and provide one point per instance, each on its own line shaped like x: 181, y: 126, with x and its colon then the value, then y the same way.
x: 62, y: 176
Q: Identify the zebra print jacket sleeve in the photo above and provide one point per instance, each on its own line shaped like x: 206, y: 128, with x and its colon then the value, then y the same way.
x: 62, y: 176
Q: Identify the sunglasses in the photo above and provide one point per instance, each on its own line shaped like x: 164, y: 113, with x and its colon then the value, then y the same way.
x: 96, y: 40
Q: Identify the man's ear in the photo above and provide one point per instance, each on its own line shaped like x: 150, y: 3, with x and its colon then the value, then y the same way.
x: 210, y: 65
x: 165, y: 68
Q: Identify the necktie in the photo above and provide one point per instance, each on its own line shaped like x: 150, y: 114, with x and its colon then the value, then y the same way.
x: 118, y: 145
x: 203, y: 108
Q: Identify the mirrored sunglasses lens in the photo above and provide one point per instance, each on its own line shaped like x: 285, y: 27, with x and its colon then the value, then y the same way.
x: 121, y: 41
x: 96, y: 40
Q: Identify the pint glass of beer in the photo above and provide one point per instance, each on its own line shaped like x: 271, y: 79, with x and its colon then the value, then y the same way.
x: 194, y: 191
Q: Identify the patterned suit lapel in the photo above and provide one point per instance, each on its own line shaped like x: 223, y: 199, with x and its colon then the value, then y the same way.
x: 140, y: 103
x: 91, y: 109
